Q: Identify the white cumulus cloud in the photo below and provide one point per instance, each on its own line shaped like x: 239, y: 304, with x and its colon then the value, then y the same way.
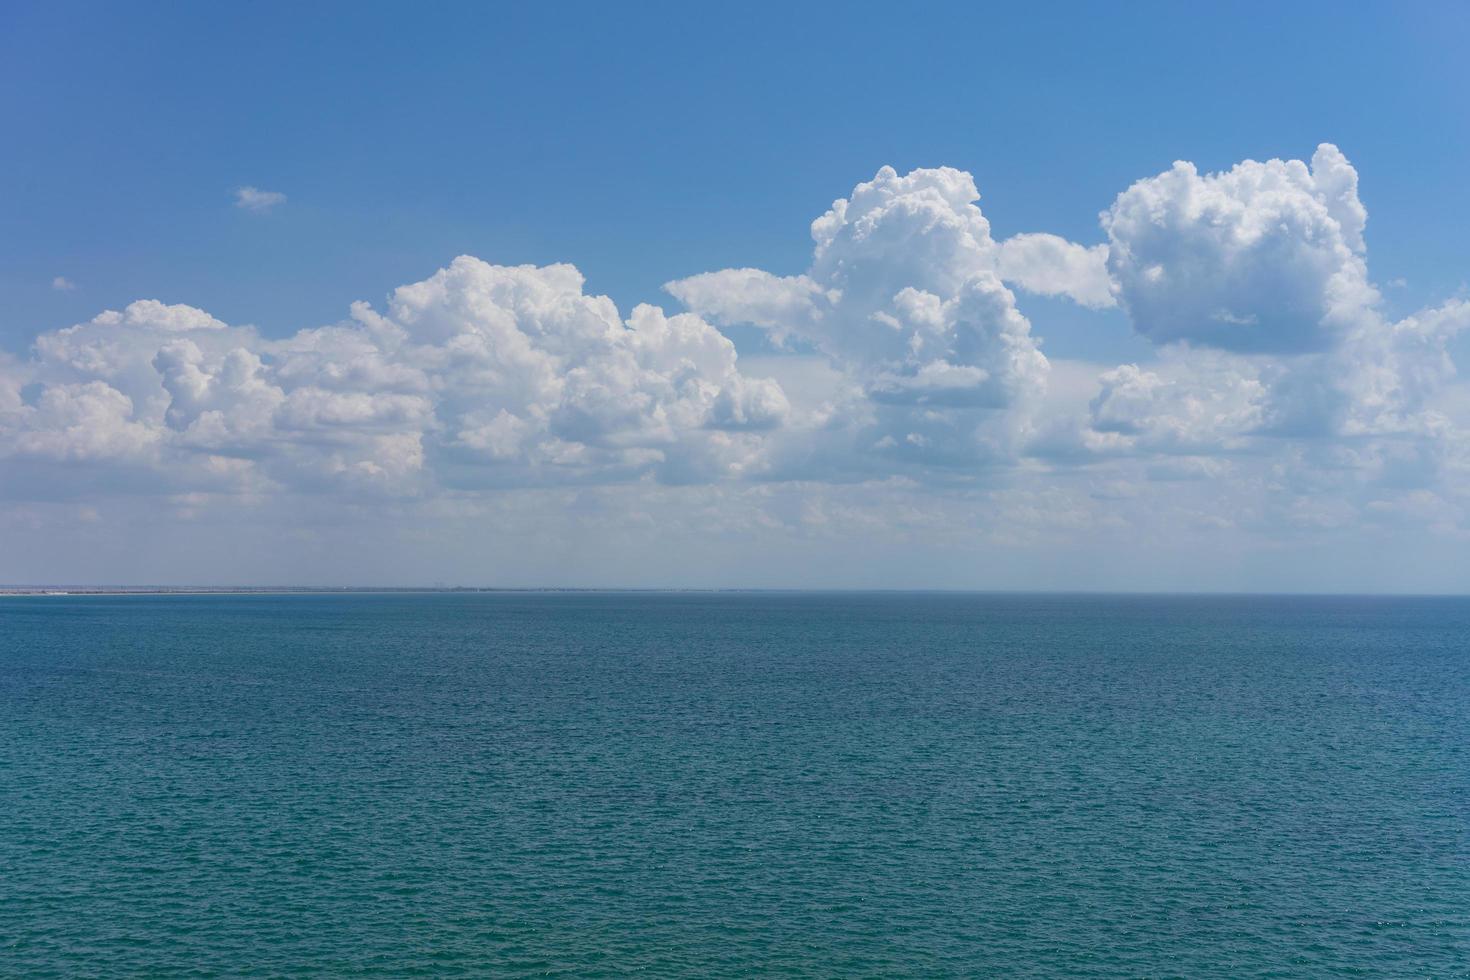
x: 1265, y: 257
x: 1052, y: 266
x: 907, y: 394
x: 903, y: 296
x: 479, y: 375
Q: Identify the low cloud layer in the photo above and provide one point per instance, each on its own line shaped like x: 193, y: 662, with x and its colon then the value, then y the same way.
x: 910, y: 373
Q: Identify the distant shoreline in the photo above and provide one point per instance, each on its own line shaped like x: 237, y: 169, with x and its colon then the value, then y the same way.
x: 20, y: 591
x: 106, y: 590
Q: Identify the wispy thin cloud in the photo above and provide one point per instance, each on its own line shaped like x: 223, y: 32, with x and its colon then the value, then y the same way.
x: 255, y: 199
x: 62, y: 284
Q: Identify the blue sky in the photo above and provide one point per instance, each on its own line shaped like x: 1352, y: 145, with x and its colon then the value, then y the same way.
x: 650, y: 143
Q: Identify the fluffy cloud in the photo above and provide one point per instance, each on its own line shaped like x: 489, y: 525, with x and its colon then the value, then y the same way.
x: 479, y: 375
x: 1266, y: 257
x: 1256, y: 280
x: 904, y: 298
x: 89, y: 421
x: 1052, y: 266
x: 1183, y: 406
x: 909, y: 392
x: 528, y: 370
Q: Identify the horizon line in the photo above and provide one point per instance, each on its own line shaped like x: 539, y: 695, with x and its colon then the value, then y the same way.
x: 58, y: 589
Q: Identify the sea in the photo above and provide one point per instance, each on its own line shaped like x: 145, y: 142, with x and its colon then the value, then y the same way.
x: 734, y: 785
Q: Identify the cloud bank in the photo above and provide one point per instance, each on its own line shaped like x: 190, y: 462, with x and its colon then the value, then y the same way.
x: 911, y: 378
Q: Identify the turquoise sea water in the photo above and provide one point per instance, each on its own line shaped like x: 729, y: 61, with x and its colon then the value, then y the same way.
x: 700, y: 785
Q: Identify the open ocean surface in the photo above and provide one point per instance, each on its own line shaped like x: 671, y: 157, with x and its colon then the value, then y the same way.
x: 734, y: 784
